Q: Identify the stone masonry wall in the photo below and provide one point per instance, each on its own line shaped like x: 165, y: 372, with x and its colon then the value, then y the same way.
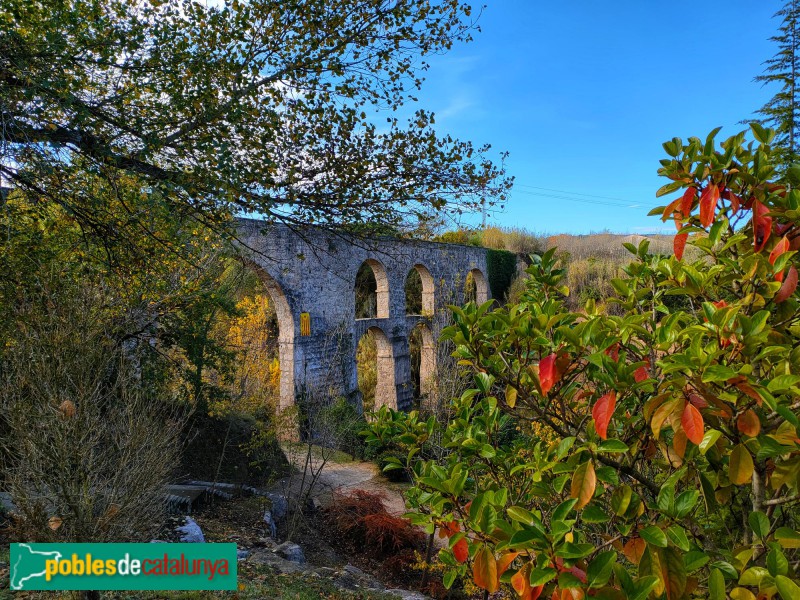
x: 314, y: 271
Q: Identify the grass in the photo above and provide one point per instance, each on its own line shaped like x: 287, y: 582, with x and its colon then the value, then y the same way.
x: 317, y: 452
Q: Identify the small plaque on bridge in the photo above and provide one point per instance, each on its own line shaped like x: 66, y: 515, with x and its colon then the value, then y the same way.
x: 305, y: 323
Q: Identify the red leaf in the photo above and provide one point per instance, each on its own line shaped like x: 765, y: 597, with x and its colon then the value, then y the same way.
x: 692, y: 422
x: 548, y: 373
x: 781, y: 247
x: 762, y: 226
x: 602, y: 412
x: 613, y: 351
x: 461, y: 550
x: 678, y: 244
x: 788, y: 286
x: 687, y: 200
x: 735, y: 200
x: 708, y: 204
x: 640, y: 374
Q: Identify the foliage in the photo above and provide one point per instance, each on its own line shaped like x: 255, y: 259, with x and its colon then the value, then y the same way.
x: 260, y: 107
x: 501, y: 267
x: 87, y: 448
x: 674, y: 473
x: 360, y: 519
x: 367, y: 367
x: 782, y: 111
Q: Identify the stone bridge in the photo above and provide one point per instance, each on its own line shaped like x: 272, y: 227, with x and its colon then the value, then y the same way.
x: 310, y: 274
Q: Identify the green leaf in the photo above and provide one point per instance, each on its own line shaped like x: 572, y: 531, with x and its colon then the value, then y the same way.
x: 599, y: 570
x: 542, y: 576
x: 709, y: 439
x: 522, y: 515
x: 449, y: 578
x: 714, y: 373
x: 716, y: 585
x: 776, y: 562
x: 563, y: 509
x: 753, y: 576
x: 594, y: 514
x: 685, y: 502
x: 787, y: 588
x: 654, y: 536
x: 759, y: 522
x: 612, y: 446
x: 677, y: 536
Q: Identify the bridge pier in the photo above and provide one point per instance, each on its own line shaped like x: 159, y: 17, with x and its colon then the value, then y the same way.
x: 310, y: 275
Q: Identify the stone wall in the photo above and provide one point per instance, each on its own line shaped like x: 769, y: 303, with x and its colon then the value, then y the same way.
x: 313, y: 271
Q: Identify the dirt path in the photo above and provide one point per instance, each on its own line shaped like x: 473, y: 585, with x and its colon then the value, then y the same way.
x: 332, y: 476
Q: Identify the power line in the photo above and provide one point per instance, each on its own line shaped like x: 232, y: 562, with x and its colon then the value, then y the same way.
x: 534, y: 187
x: 580, y: 200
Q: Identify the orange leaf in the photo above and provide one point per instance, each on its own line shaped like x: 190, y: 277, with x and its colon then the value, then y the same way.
x: 748, y: 423
x: 461, y: 550
x: 54, y: 522
x: 613, y: 351
x: 633, y: 549
x: 788, y: 286
x: 762, y: 226
x: 448, y: 530
x: 679, y: 443
x: 584, y: 482
x: 602, y: 412
x: 484, y: 571
x: 548, y: 373
x: 781, y: 247
x: 708, y: 204
x: 520, y: 581
x: 692, y: 422
x: 679, y: 244
x: 671, y: 208
x: 505, y: 561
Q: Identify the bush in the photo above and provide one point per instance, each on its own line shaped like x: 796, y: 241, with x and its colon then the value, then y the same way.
x: 359, y: 520
x: 234, y: 448
x: 88, y: 449
x: 674, y: 464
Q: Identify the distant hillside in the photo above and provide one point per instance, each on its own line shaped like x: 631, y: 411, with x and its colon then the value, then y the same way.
x: 605, y: 245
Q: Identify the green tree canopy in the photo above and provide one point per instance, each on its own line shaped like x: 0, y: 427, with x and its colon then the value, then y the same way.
x: 782, y: 111
x: 266, y: 107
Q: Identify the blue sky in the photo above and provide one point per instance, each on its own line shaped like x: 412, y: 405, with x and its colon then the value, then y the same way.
x: 582, y: 94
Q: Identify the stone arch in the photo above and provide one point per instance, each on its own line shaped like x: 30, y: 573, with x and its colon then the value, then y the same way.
x: 381, y: 288
x: 481, y: 286
x: 427, y: 362
x: 286, y: 340
x: 427, y: 300
x: 385, y: 388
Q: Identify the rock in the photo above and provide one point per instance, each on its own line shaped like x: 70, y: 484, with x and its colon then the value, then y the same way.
x: 242, y: 554
x: 355, y: 571
x: 291, y: 552
x: 280, y: 507
x: 158, y: 542
x: 191, y: 532
x: 266, y: 557
x: 407, y: 595
x: 325, y: 572
x: 354, y: 578
x: 270, y: 521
